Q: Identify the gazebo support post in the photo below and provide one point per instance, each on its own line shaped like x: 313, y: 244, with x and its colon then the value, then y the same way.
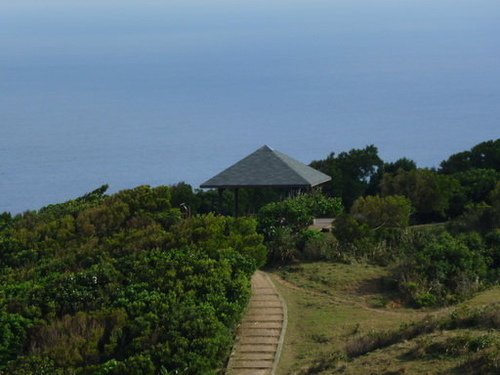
x: 236, y: 202
x: 220, y: 191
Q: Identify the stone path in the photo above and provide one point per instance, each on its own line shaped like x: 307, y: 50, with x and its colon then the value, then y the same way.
x: 260, y: 336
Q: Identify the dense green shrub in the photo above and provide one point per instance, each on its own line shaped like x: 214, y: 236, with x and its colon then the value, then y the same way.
x: 122, y: 285
x: 482, y: 217
x: 348, y: 230
x: 74, y: 206
x: 492, y: 240
x: 13, y: 332
x: 431, y: 265
x: 440, y: 269
x: 320, y: 246
x: 283, y: 223
x: 358, y: 241
x: 34, y: 365
x: 382, y: 212
x: 297, y: 213
x: 282, y: 245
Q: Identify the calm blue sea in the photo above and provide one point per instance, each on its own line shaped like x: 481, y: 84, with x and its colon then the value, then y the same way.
x: 155, y: 92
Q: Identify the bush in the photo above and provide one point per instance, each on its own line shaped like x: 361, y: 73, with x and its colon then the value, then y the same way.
x: 282, y: 245
x: 283, y: 222
x: 493, y: 248
x: 74, y: 340
x: 382, y: 212
x: 482, y: 217
x: 477, y: 217
x: 13, y: 335
x: 357, y: 240
x: 32, y: 365
x: 297, y: 213
x: 122, y: 285
x: 440, y: 270
x: 348, y: 230
x: 320, y: 246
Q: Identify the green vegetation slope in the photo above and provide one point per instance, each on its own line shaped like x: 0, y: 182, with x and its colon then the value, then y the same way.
x: 122, y: 284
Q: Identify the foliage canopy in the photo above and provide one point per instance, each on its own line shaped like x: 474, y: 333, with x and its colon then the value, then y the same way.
x: 122, y: 284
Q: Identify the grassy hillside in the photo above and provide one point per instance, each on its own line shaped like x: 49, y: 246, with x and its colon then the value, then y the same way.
x: 122, y: 284
x: 348, y: 319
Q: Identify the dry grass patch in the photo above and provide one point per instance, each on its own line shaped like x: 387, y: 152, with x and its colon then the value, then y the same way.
x: 332, y: 313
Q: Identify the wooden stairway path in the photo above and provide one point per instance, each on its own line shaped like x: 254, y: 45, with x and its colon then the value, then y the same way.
x: 260, y: 335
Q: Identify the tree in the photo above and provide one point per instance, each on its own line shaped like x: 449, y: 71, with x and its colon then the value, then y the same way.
x: 483, y: 155
x: 351, y: 172
x: 477, y: 183
x: 404, y: 164
x: 430, y: 193
x: 5, y: 220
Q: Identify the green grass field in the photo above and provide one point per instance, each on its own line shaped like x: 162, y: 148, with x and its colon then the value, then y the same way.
x: 330, y: 305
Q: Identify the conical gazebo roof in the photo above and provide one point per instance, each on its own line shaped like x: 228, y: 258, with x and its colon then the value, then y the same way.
x: 267, y: 168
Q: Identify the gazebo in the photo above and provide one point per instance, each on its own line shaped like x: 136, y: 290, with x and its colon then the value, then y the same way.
x: 266, y: 168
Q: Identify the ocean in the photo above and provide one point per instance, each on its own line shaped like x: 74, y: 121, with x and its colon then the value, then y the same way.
x: 157, y: 92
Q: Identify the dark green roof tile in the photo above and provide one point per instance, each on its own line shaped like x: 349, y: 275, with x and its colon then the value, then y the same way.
x: 267, y: 168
